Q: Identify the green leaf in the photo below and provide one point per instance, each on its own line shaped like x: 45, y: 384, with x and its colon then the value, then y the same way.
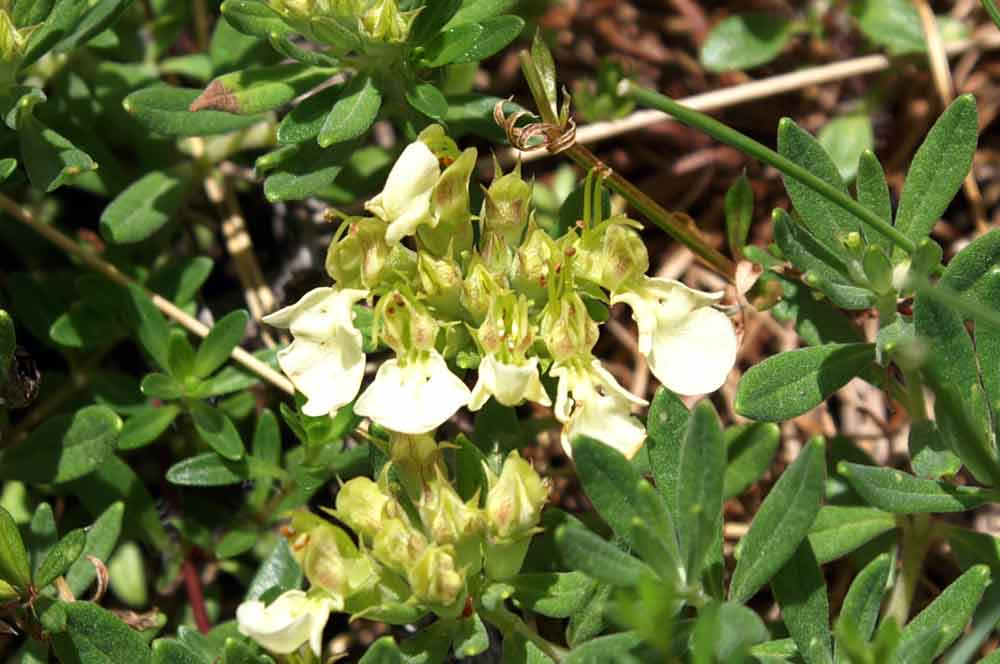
x: 860, y: 608
x: 497, y: 33
x: 164, y: 110
x: 259, y: 89
x: 143, y: 208
x: 172, y: 651
x: 451, y: 45
x: 826, y: 220
x: 938, y: 169
x: 383, y: 651
x: 208, y: 469
x: 750, y: 448
x: 744, y: 41
x: 739, y: 213
x: 57, y: 24
x: 800, y: 589
x: 781, y: 523
x: 99, y: 17
x: 968, y: 433
x: 7, y: 167
x: 611, y: 648
x: 150, y: 327
x: 699, y: 488
x: 470, y: 477
x: 115, y: 481
x: 96, y: 636
x: 556, y: 595
x: 146, y: 426
x: 62, y: 555
x: 254, y: 18
x: 42, y: 535
x: 279, y: 570
x: 304, y: 121
x: 725, y: 632
x: 930, y: 454
x: 470, y: 637
x: 179, y: 281
x: 787, y: 385
x: 894, y: 24
x: 610, y: 482
x: 845, y: 139
x: 64, y: 447
x: 15, y: 567
x: 431, y: 19
x: 873, y: 193
x: 816, y: 321
x: 583, y: 550
x: 951, y: 610
x: 353, y: 113
x: 838, y: 530
x: 162, y: 386
x: 666, y: 428
x: 427, y: 99
x: 217, y: 431
x: 180, y: 356
x: 102, y: 537
x: 897, y: 492
x: 474, y: 11
x: 224, y: 336
x: 50, y: 159
x: 541, y: 57
x: 311, y: 170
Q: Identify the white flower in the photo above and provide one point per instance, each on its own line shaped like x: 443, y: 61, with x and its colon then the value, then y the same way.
x: 510, y: 384
x: 590, y: 402
x: 325, y: 361
x: 290, y: 621
x: 414, y: 396
x: 405, y: 202
x: 690, y: 346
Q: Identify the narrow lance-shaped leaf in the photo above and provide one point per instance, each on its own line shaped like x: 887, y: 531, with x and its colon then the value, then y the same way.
x: 666, y: 428
x: 786, y: 385
x: 859, y: 611
x: 895, y: 491
x: 50, y: 158
x: 217, y: 430
x: 584, y: 550
x: 260, y: 89
x: 102, y: 538
x: 800, y: 589
x: 15, y: 567
x: 700, y: 485
x: 951, y: 610
x: 782, y: 522
x: 224, y: 336
x: 353, y: 113
x: 62, y: 555
x: 143, y: 208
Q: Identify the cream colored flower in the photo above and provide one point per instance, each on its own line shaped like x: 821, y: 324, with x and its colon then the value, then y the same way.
x: 405, y: 202
x: 413, y: 395
x: 325, y: 361
x: 690, y: 346
x: 290, y: 621
x: 590, y: 402
x: 509, y: 384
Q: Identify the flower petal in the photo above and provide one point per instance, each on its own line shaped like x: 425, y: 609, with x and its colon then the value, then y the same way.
x: 607, y: 420
x: 405, y: 200
x: 415, y: 398
x: 416, y: 213
x: 509, y: 384
x: 695, y: 355
x: 281, y: 627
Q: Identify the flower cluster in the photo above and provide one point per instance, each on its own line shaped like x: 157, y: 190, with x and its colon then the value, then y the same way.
x: 347, y: 23
x: 506, y: 297
x: 406, y: 562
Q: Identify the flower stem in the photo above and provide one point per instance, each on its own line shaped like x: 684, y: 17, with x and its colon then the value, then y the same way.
x: 507, y: 622
x: 916, y: 538
x: 730, y: 136
x: 673, y: 224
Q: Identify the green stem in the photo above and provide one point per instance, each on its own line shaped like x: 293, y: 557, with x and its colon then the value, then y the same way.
x: 915, y: 393
x: 672, y: 224
x: 730, y: 136
x: 507, y: 622
x: 916, y: 538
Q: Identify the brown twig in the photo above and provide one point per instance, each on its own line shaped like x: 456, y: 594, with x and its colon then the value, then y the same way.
x: 196, y: 598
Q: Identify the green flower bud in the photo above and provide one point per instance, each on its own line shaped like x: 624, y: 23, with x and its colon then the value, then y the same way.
x: 441, y: 283
x: 361, y: 504
x: 507, y: 331
x: 515, y: 501
x: 853, y: 242
x: 496, y: 253
x: 12, y: 44
x: 533, y: 263
x: 329, y: 558
x: 436, y: 581
x: 358, y: 258
x: 452, y: 226
x: 404, y: 324
x: 878, y: 270
x: 447, y: 518
x: 507, y: 206
x: 567, y: 328
x: 478, y: 291
x: 398, y: 545
x: 415, y: 458
x: 625, y: 257
x: 385, y: 23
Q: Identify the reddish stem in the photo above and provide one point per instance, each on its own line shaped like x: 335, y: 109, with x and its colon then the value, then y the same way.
x: 192, y: 583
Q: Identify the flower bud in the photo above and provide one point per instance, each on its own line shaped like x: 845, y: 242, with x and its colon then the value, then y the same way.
x: 533, y: 263
x: 514, y: 503
x: 415, y: 458
x: 625, y: 257
x: 404, y: 324
x: 446, y: 517
x: 358, y: 258
x: 478, y: 290
x: 435, y: 580
x: 12, y: 44
x: 398, y: 545
x: 385, y: 23
x: 567, y: 328
x: 441, y: 283
x: 329, y: 558
x: 360, y: 504
x: 878, y: 270
x: 452, y: 227
x: 507, y: 330
x: 507, y: 206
